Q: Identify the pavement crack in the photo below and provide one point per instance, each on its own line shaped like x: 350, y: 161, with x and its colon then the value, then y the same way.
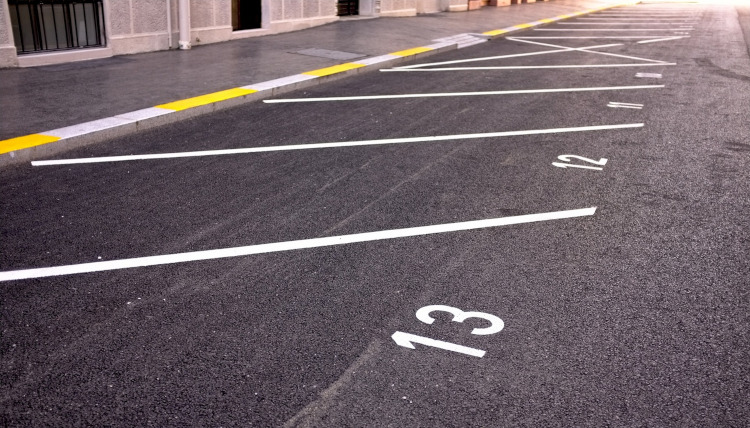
x: 313, y: 412
x: 715, y: 69
x: 389, y: 192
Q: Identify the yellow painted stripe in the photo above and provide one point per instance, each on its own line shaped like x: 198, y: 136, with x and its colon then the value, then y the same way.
x: 563, y: 17
x: 546, y: 20
x: 413, y: 51
x: 521, y: 26
x: 206, y: 99
x: 335, y: 69
x: 25, y: 142
x: 495, y: 32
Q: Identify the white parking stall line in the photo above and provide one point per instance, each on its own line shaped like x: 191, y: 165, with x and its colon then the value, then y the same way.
x: 530, y: 67
x: 635, y: 19
x: 604, y: 29
x: 644, y: 15
x: 663, y: 39
x: 333, y: 145
x: 590, y: 37
x: 461, y: 94
x: 620, y: 23
x: 625, y: 105
x: 289, y: 245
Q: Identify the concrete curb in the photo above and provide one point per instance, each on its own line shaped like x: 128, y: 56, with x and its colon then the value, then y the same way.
x: 34, y: 146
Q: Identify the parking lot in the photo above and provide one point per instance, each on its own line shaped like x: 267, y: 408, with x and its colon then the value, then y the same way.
x: 540, y: 230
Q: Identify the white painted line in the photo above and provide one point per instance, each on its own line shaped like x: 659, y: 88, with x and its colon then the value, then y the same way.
x: 146, y: 113
x: 89, y: 127
x: 625, y: 105
x: 644, y: 18
x: 289, y: 245
x: 663, y: 39
x: 647, y: 14
x: 529, y: 67
x: 603, y: 29
x: 586, y: 37
x: 618, y: 23
x: 460, y: 94
x: 275, y: 83
x: 649, y: 75
x: 641, y: 16
x: 637, y: 19
x: 334, y: 145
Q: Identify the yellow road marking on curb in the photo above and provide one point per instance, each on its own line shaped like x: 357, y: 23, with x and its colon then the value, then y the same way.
x: 522, y: 26
x: 413, y: 51
x: 495, y: 32
x: 25, y: 142
x: 206, y: 99
x: 546, y: 21
x: 335, y: 69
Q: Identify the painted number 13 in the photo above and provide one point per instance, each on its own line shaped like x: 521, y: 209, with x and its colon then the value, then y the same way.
x: 408, y: 340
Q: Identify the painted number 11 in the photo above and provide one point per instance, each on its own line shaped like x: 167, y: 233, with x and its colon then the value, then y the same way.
x: 408, y: 340
x: 567, y: 158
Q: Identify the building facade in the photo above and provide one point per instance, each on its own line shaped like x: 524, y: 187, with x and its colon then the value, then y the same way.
x: 37, y: 32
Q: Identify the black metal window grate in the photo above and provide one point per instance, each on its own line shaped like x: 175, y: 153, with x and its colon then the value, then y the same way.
x: 347, y: 7
x: 50, y: 25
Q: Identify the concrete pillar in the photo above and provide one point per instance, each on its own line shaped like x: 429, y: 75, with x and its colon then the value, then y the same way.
x: 183, y: 8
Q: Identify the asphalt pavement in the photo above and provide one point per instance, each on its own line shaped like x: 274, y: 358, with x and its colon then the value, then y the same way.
x: 542, y: 230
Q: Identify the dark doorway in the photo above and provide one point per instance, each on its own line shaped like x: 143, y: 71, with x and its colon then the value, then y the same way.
x: 347, y: 7
x: 245, y: 14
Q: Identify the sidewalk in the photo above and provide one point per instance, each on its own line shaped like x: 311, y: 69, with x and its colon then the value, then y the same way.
x: 36, y: 100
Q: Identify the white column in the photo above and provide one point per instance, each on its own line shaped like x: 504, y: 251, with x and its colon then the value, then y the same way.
x: 184, y: 13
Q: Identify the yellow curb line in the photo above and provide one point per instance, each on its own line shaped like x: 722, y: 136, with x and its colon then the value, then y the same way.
x: 335, y: 69
x: 206, y: 99
x: 25, y: 142
x: 413, y: 51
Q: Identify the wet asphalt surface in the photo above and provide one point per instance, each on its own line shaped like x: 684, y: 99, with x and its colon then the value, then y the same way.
x: 636, y: 315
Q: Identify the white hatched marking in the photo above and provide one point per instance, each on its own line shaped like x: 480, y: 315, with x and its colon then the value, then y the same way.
x: 559, y: 48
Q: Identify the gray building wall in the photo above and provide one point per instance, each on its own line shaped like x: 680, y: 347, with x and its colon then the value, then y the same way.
x: 7, y: 47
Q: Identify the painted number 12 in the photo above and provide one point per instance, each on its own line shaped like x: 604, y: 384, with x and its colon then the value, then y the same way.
x: 567, y: 158
x: 408, y: 340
